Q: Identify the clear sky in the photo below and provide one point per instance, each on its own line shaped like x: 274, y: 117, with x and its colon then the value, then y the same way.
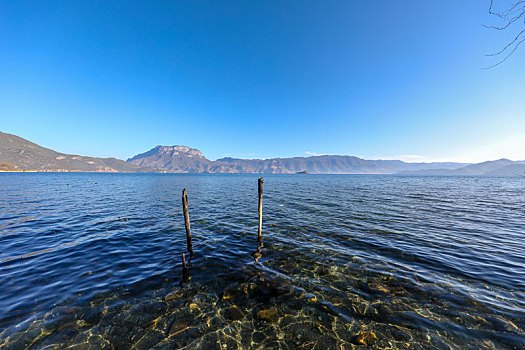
x: 258, y: 79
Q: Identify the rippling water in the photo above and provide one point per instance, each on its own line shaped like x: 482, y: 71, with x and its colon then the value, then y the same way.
x: 94, y: 261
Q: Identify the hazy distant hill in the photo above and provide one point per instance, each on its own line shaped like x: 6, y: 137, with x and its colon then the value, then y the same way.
x: 494, y: 167
x: 190, y: 160
x: 327, y: 164
x: 20, y: 154
x: 517, y: 168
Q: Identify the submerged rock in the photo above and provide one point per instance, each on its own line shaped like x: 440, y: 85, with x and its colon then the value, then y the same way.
x: 148, y: 341
x: 365, y: 338
x: 233, y: 313
x: 21, y: 340
x: 173, y: 295
x: 92, y: 316
x: 269, y: 315
x: 178, y: 326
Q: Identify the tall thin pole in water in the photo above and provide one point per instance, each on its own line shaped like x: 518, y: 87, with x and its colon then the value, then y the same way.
x: 259, y: 236
x: 187, y: 221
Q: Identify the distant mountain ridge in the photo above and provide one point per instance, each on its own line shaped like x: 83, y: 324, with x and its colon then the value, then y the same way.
x: 182, y: 159
x: 18, y: 154
x: 500, y: 167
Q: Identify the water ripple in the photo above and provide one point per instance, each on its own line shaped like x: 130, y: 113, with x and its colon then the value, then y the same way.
x: 377, y: 261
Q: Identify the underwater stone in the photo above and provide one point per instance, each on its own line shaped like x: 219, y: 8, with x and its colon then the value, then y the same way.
x: 23, y: 339
x: 208, y: 341
x: 51, y: 324
x: 92, y: 316
x: 287, y: 320
x: 365, y: 338
x: 233, y: 313
x: 258, y: 337
x: 98, y: 342
x: 173, y: 295
x: 440, y: 343
x: 269, y: 315
x: 161, y: 324
x: 177, y: 327
x: 213, y: 321
x: 148, y: 341
x: 310, y: 297
x: 400, y: 335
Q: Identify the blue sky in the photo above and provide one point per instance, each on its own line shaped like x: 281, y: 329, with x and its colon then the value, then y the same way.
x: 259, y: 79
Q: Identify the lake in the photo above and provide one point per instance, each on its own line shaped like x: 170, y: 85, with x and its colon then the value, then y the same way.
x: 347, y: 261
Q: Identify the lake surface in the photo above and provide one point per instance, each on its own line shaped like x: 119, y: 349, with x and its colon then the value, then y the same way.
x: 350, y: 261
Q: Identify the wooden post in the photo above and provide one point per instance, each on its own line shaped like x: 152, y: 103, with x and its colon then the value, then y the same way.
x: 187, y: 222
x: 184, y: 268
x: 185, y: 272
x: 261, y: 180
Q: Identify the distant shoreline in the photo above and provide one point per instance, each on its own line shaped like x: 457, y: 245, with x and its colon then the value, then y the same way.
x: 258, y: 174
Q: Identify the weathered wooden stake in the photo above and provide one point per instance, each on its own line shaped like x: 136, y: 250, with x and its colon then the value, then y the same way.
x: 184, y: 268
x: 261, y: 180
x: 185, y: 272
x: 187, y: 222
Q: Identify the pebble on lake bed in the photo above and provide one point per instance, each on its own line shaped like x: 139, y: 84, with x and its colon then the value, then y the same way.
x: 269, y: 315
x: 173, y: 295
x: 364, y: 338
x: 233, y: 313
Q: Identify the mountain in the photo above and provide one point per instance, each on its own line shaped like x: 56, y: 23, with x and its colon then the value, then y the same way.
x: 517, y: 168
x: 179, y: 159
x: 183, y: 159
x: 494, y: 167
x: 18, y: 154
x: 484, y: 167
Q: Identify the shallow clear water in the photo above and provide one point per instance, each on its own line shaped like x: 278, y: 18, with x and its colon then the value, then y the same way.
x: 94, y: 261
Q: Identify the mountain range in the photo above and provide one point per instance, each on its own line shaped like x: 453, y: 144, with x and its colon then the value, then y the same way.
x: 500, y: 167
x: 18, y: 154
x: 182, y: 159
